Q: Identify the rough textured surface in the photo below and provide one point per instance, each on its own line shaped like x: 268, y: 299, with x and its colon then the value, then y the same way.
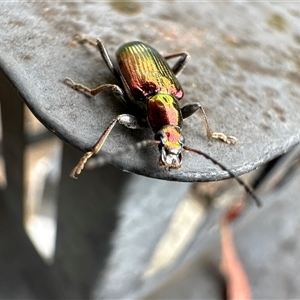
x: 244, y: 70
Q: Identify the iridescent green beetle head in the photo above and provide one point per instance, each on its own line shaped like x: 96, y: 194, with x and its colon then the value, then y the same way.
x: 171, y: 143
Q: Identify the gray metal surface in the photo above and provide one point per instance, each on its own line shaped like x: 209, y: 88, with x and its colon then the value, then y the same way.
x: 244, y: 70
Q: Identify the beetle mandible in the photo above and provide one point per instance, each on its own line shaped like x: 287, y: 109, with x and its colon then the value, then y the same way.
x: 150, y: 85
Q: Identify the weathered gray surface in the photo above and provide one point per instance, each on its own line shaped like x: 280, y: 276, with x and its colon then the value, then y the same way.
x: 244, y: 69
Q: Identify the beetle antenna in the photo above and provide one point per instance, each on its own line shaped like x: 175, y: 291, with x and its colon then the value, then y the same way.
x: 239, y: 180
x: 102, y: 160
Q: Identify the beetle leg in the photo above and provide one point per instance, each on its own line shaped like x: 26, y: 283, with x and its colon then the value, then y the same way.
x: 189, y: 109
x: 118, y: 92
x: 181, y: 62
x: 107, y: 59
x: 83, y: 39
x: 127, y: 120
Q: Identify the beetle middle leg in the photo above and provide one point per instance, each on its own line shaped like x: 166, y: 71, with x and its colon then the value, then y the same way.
x: 127, y: 120
x: 190, y: 109
x: 117, y: 91
x: 181, y: 62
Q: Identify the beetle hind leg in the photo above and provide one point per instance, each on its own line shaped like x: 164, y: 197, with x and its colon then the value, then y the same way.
x: 180, y: 63
x: 107, y: 59
x: 81, y: 38
x: 189, y: 109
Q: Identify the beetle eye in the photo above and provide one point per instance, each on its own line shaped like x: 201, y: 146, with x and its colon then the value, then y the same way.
x: 182, y: 140
x: 161, y: 136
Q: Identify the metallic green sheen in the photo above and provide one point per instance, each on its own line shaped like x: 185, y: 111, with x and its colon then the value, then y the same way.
x: 163, y: 109
x: 144, y: 72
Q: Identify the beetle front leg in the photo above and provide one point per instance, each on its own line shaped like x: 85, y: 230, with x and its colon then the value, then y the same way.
x: 189, y: 109
x: 124, y: 119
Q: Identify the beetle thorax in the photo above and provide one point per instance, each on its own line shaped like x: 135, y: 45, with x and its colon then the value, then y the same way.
x: 163, y: 109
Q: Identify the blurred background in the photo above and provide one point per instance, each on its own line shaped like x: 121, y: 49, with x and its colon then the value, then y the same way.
x: 117, y: 235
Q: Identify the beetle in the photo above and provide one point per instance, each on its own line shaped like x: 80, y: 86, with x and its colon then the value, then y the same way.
x: 150, y: 86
